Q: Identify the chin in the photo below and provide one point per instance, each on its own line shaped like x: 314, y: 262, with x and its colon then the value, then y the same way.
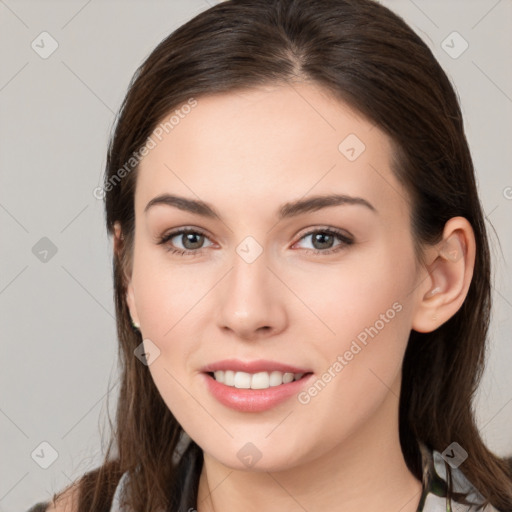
x: 264, y: 456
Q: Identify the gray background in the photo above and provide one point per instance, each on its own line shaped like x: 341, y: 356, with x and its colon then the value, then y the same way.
x: 58, y: 364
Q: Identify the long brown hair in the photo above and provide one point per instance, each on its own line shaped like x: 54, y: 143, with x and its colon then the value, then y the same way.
x: 368, y: 57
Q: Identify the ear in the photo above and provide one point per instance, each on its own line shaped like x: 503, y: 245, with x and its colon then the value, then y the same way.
x: 130, y: 298
x: 450, y: 271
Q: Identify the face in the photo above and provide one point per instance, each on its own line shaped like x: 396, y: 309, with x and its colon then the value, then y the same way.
x: 271, y: 282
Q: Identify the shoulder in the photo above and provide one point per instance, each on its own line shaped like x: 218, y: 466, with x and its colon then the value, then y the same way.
x: 66, y: 501
x: 111, y: 482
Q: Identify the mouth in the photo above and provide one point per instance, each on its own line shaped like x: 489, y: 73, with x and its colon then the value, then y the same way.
x: 254, y: 386
x: 257, y: 380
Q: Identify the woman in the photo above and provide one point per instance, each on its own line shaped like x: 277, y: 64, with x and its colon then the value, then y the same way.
x: 301, y: 271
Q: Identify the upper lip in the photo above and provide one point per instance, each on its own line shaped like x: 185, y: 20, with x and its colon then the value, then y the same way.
x: 259, y: 365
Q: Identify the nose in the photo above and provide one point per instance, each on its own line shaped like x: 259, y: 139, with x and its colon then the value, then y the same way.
x: 251, y: 301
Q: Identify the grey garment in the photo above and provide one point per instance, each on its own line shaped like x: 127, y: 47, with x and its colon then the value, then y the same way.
x: 189, y: 458
x: 435, y: 499
x: 116, y: 500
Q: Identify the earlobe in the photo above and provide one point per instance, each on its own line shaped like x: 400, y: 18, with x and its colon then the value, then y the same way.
x: 449, y: 276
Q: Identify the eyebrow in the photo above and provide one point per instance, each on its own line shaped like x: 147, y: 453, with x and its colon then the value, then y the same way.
x: 287, y: 210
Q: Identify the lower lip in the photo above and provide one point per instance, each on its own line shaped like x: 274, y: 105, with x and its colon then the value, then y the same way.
x: 254, y: 400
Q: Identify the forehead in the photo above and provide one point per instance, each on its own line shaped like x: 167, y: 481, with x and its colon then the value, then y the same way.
x: 266, y: 145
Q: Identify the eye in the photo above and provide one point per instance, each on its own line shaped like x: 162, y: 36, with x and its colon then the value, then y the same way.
x: 323, y: 240
x: 192, y: 241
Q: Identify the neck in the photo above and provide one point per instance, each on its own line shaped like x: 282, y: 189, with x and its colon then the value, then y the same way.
x: 366, y: 471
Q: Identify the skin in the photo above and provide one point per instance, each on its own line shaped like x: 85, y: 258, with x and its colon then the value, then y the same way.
x: 246, y: 154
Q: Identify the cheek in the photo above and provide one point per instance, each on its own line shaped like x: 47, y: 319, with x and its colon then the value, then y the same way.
x: 168, y: 301
x: 363, y: 291
x: 361, y: 361
x: 364, y: 310
x: 165, y: 294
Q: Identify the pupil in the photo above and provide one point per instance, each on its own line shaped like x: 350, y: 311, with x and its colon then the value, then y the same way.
x: 321, y: 237
x: 189, y: 237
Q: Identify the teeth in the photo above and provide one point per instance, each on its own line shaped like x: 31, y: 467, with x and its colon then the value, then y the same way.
x: 242, y: 380
x: 260, y: 380
x: 275, y: 379
x: 229, y: 377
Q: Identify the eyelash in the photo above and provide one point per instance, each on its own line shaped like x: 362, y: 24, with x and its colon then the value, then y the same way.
x: 345, y: 241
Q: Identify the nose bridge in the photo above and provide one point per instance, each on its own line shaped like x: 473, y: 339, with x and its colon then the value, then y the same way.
x: 250, y: 300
